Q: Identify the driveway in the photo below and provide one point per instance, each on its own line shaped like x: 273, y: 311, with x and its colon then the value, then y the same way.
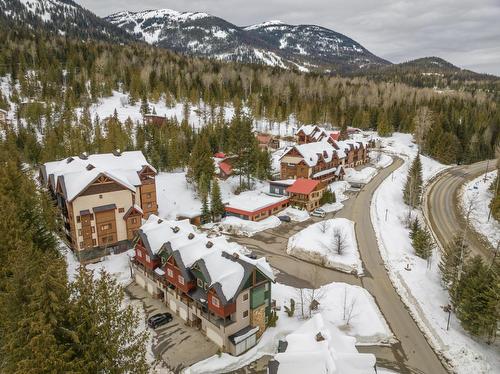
x: 175, y: 345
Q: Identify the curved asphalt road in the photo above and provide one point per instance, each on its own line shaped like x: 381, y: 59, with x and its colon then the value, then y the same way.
x: 412, y: 354
x: 441, y: 206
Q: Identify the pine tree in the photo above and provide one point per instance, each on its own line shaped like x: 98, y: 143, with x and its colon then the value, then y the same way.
x: 477, y: 308
x: 453, y: 258
x: 413, y: 186
x: 145, y: 109
x: 205, y: 211
x: 216, y: 205
x: 106, y: 336
x: 201, y: 165
x: 384, y: 128
x: 422, y: 243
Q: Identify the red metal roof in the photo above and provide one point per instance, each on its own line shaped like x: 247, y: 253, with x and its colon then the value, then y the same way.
x: 335, y: 135
x: 226, y: 167
x: 303, y: 186
x: 220, y: 155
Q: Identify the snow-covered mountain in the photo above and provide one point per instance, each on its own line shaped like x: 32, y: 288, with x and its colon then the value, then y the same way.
x: 64, y: 17
x: 305, y: 47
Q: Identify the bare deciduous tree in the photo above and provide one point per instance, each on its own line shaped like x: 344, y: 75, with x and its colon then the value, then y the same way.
x: 349, y: 307
x: 339, y: 241
x: 323, y: 226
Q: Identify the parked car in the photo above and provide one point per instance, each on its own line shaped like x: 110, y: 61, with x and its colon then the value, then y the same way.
x: 284, y: 218
x: 318, y: 213
x: 159, y: 319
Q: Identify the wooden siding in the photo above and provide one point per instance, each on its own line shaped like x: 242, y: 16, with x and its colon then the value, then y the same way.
x: 221, y: 311
x: 106, y: 236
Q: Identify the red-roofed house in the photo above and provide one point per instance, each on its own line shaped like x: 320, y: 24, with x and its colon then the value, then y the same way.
x: 225, y: 169
x: 267, y: 141
x: 306, y: 193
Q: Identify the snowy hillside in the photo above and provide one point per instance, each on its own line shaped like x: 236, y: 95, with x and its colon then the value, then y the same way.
x: 303, y: 47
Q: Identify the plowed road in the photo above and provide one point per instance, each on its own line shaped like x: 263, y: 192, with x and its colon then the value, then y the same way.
x: 441, y: 205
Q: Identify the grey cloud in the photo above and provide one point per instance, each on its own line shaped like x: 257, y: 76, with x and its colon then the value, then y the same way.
x: 464, y: 32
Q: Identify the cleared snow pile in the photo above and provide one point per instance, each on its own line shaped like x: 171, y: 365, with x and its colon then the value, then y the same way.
x: 476, y: 197
x: 295, y: 214
x: 363, y: 321
x: 331, y: 243
x: 419, y: 283
x: 176, y: 197
x: 380, y: 160
x: 360, y: 176
x: 237, y: 226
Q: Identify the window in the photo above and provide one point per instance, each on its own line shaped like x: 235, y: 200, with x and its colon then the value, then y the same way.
x: 91, y: 217
x: 148, y: 195
x: 107, y: 239
x: 170, y: 273
x: 133, y: 220
x: 79, y: 232
x: 107, y: 226
x: 94, y: 243
x: 81, y: 244
x: 100, y: 196
x: 93, y: 229
x: 121, y: 210
x: 215, y: 301
x: 139, y: 254
x: 77, y: 218
x: 199, y: 283
x: 149, y: 205
x: 148, y: 259
x: 181, y: 279
x: 245, y: 297
x: 245, y: 314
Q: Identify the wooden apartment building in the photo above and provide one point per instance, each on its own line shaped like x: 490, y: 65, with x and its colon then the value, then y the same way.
x: 102, y: 199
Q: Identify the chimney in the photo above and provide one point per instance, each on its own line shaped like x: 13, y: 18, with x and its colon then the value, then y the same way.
x: 160, y: 221
x: 176, y: 229
x: 319, y: 337
x: 117, y: 153
x: 209, y: 244
x: 236, y: 255
x: 69, y: 159
x: 90, y: 167
x: 190, y: 236
x: 83, y: 156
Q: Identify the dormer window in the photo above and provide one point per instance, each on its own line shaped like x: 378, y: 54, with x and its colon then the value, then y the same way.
x: 176, y: 229
x: 90, y: 167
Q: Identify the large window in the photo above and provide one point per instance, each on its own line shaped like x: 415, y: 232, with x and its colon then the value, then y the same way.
x: 106, y: 226
x: 215, y: 302
x: 181, y: 279
x: 170, y: 273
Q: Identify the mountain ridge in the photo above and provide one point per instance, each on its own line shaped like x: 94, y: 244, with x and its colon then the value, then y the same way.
x: 304, y: 47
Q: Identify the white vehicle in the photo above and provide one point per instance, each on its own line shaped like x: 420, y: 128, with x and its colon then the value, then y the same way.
x: 318, y: 213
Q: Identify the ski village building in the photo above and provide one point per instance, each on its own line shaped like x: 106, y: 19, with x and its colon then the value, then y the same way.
x: 225, y: 293
x: 320, y: 156
x: 102, y: 199
x: 255, y: 207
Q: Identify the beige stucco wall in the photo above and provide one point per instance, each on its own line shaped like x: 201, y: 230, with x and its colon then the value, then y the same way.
x: 122, y: 199
x: 291, y: 159
x: 240, y: 322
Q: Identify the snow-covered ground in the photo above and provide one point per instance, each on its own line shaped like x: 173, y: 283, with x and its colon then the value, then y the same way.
x: 177, y: 197
x: 295, y: 214
x: 420, y: 287
x: 320, y: 243
x: 476, y: 194
x: 380, y: 160
x: 366, y: 324
x: 237, y: 226
x: 360, y: 176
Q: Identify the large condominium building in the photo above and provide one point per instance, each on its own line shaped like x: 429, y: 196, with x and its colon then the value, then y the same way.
x: 211, y: 286
x: 102, y: 199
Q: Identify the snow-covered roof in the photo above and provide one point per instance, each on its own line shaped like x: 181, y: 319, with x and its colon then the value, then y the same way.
x: 251, y: 201
x: 313, y: 152
x: 224, y: 271
x: 322, y: 349
x: 77, y: 172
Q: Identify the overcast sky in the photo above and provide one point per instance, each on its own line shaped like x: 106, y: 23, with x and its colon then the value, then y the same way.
x: 464, y: 32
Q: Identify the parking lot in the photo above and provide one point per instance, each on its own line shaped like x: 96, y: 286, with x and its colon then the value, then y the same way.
x: 175, y: 345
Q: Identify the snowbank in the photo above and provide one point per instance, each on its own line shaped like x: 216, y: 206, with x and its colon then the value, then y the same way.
x: 477, y: 191
x: 380, y: 160
x: 360, y: 176
x: 317, y: 243
x: 420, y: 288
x: 367, y: 324
x: 237, y: 226
x: 339, y: 189
x: 295, y: 214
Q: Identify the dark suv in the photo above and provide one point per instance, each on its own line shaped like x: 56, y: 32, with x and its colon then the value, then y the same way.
x: 159, y: 319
